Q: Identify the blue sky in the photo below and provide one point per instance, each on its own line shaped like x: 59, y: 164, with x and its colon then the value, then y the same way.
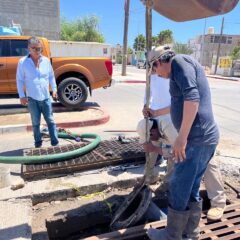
x: 111, y: 14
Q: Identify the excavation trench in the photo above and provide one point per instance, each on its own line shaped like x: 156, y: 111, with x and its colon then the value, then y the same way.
x: 99, y: 213
x: 93, y: 214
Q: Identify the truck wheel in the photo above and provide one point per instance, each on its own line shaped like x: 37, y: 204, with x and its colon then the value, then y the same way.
x: 72, y: 92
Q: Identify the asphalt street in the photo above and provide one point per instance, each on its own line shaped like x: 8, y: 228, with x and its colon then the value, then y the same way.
x: 124, y: 104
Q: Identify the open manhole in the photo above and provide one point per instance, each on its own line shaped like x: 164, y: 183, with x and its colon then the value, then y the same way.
x: 90, y: 218
x: 81, y: 217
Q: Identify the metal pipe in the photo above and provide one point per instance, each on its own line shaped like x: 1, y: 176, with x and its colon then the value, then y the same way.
x: 148, y: 16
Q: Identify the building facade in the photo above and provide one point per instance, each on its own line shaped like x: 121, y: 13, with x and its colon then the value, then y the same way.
x: 36, y: 18
x: 205, y: 47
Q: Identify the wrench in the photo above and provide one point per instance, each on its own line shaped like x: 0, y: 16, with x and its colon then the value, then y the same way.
x: 233, y: 188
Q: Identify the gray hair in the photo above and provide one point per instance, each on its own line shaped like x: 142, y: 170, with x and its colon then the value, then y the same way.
x: 33, y: 40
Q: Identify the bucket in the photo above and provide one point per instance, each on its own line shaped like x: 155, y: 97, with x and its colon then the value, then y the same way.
x: 5, y: 179
x: 154, y: 213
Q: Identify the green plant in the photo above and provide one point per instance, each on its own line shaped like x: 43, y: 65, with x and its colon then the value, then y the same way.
x: 85, y: 29
x: 235, y: 53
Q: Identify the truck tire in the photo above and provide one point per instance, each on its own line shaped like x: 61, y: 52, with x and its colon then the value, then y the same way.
x: 72, y: 92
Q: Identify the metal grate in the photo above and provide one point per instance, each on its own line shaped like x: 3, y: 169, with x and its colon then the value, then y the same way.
x: 108, y: 153
x: 228, y: 228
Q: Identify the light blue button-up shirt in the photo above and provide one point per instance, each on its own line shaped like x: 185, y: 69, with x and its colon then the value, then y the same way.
x: 36, y: 79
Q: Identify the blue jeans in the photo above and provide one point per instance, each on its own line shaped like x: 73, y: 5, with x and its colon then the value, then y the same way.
x: 185, y: 180
x: 45, y: 107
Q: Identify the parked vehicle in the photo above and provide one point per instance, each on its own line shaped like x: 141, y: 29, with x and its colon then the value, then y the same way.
x: 74, y: 75
x: 236, y: 68
x: 141, y: 64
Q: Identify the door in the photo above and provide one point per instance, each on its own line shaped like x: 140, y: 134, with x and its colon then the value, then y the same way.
x: 18, y: 49
x: 4, y: 83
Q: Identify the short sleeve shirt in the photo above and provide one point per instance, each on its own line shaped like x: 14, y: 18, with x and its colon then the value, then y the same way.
x: 189, y: 83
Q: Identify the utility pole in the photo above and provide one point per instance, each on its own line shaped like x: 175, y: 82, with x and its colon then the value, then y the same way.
x: 219, y: 44
x: 203, y: 42
x: 125, y: 37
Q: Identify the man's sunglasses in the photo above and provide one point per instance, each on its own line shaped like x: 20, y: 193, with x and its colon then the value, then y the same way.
x: 36, y: 49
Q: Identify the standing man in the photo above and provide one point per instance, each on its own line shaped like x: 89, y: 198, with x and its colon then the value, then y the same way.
x: 198, y: 136
x: 35, y: 73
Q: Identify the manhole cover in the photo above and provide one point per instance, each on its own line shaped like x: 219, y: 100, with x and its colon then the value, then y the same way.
x: 108, y: 153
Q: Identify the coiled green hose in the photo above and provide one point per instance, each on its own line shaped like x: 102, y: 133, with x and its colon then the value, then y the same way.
x: 58, y: 156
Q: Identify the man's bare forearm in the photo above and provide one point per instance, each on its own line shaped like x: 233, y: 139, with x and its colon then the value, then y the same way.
x: 161, y: 111
x: 190, y: 110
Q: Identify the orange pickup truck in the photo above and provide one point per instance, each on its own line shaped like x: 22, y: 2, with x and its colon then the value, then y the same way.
x: 74, y: 75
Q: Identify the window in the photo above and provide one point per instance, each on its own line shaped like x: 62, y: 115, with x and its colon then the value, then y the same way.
x: 19, y: 48
x: 1, y: 48
x: 212, y: 39
x: 217, y: 39
x: 105, y: 51
x: 229, y: 40
x: 223, y: 39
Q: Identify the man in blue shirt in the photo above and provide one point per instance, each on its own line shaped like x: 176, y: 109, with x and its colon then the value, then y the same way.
x: 35, y: 73
x: 198, y: 136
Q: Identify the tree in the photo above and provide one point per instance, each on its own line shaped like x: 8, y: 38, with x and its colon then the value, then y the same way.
x: 119, y: 58
x: 182, y: 48
x: 139, y: 43
x: 155, y: 41
x: 235, y: 53
x: 165, y: 37
x: 85, y: 30
x: 130, y: 51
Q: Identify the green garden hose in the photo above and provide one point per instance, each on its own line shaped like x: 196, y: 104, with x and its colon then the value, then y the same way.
x: 58, y: 156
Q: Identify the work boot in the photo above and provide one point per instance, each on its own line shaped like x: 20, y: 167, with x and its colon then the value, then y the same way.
x: 215, y: 213
x: 176, y: 223
x: 192, y: 232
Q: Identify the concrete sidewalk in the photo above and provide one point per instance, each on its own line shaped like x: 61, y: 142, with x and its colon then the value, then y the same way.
x: 86, y: 116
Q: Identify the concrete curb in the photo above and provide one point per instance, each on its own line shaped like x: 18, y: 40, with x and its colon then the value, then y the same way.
x: 144, y: 81
x: 224, y: 78
x: 28, y: 127
x: 52, y: 189
x: 131, y: 81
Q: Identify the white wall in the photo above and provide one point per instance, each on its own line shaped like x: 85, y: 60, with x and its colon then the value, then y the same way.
x: 79, y: 49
